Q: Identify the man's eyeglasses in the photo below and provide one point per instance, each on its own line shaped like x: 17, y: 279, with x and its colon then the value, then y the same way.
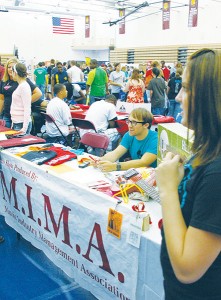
x: 134, y: 123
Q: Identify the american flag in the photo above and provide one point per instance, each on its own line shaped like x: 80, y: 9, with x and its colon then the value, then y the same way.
x: 63, y: 25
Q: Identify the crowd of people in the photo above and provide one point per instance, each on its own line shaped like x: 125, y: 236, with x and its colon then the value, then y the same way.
x: 190, y: 195
x: 89, y: 84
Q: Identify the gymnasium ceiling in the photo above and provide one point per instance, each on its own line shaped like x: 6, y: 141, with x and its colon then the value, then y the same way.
x: 105, y: 9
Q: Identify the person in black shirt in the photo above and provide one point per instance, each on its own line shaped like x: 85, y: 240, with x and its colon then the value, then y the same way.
x: 191, y: 195
x: 7, y: 87
x: 173, y: 88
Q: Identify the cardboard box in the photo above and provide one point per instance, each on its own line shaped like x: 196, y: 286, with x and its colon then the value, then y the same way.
x: 173, y: 137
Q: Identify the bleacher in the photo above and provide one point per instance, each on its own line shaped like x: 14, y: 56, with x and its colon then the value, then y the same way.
x: 5, y: 57
x: 169, y: 53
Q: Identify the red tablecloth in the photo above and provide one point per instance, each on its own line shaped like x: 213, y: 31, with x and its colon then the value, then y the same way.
x: 3, y: 129
x: 80, y: 113
x: 22, y: 141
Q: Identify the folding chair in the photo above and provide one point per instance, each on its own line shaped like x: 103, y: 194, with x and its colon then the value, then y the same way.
x: 82, y: 124
x: 98, y: 142
x: 50, y: 119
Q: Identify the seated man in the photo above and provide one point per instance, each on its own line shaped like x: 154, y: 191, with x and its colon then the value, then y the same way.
x: 140, y: 141
x: 60, y: 111
x: 103, y: 114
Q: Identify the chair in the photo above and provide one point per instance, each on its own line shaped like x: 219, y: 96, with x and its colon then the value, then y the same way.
x: 98, y: 142
x: 82, y: 124
x: 50, y: 119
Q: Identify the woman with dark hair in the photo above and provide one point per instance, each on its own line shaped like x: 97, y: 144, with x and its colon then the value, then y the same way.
x: 135, y: 88
x: 8, y: 86
x: 21, y: 101
x: 157, y: 88
x: 191, y: 196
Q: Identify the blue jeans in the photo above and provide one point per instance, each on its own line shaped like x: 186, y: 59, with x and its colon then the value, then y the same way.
x: 158, y: 111
x: 42, y: 88
x: 18, y: 126
x: 174, y: 108
x: 95, y: 98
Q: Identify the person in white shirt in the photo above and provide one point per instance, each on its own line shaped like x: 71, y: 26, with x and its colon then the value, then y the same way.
x: 116, y: 80
x: 21, y: 101
x: 60, y: 111
x: 103, y: 114
x: 75, y: 74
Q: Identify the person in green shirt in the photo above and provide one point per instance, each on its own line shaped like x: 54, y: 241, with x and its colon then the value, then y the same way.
x: 97, y: 82
x: 40, y: 75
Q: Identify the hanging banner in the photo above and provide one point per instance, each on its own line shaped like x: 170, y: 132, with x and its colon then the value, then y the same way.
x: 122, y: 22
x: 87, y: 26
x: 193, y: 13
x: 166, y: 15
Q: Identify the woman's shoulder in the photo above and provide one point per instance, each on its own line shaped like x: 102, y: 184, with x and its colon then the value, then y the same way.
x: 214, y: 166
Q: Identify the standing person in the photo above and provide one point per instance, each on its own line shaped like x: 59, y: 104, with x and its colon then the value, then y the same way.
x: 60, y: 76
x: 21, y: 101
x: 173, y: 88
x: 40, y: 76
x: 165, y: 70
x: 75, y: 74
x: 49, y: 74
x: 7, y: 87
x: 135, y: 88
x: 2, y: 70
x: 116, y: 80
x: 191, y: 197
x: 139, y: 141
x: 97, y: 82
x: 157, y: 88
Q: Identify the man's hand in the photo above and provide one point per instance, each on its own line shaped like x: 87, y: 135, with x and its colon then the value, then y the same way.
x: 106, y: 166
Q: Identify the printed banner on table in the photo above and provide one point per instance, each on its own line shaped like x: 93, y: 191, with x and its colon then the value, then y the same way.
x: 193, y: 13
x: 166, y: 15
x: 122, y: 22
x: 69, y: 224
x: 87, y: 26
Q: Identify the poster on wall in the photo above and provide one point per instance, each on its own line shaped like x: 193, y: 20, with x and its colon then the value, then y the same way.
x: 166, y: 15
x: 87, y: 26
x: 122, y: 22
x: 193, y: 13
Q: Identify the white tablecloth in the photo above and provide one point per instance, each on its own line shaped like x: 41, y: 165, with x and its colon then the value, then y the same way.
x: 53, y: 208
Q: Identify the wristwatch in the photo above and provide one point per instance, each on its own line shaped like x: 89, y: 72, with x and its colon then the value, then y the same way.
x: 118, y: 166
